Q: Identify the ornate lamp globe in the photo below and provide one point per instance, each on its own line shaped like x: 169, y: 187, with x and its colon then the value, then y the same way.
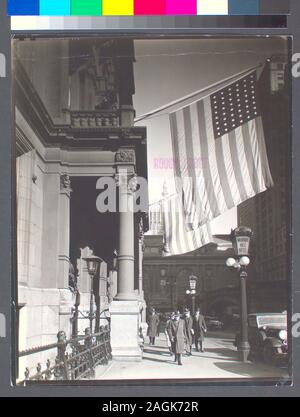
x: 240, y: 238
x: 92, y: 263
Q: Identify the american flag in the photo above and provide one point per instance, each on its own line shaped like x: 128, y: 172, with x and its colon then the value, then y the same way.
x: 219, y: 151
x: 177, y: 239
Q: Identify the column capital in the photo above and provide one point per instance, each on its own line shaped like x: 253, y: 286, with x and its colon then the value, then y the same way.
x: 125, y: 156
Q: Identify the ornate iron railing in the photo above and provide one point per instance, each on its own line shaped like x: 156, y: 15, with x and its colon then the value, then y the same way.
x: 87, y: 352
x: 95, y: 119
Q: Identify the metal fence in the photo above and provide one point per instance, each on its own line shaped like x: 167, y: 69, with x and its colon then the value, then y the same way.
x: 76, y: 358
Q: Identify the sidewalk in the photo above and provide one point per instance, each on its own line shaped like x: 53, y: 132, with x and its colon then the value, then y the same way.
x: 218, y: 361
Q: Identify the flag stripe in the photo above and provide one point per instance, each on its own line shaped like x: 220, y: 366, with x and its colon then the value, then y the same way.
x: 174, y: 134
x: 209, y: 185
x: 202, y: 200
x: 230, y: 170
x: 250, y: 158
x: 181, y: 144
x: 257, y: 156
x: 224, y: 178
x: 176, y: 239
x: 243, y: 160
x: 191, y: 194
x: 183, y: 236
x: 236, y: 165
x: 263, y: 152
x: 212, y: 156
x: 183, y: 184
x: 243, y: 163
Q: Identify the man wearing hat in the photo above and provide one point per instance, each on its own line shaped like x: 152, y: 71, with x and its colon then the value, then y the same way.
x: 153, y: 322
x: 167, y: 333
x: 177, y: 334
x: 199, y: 327
x: 189, y: 331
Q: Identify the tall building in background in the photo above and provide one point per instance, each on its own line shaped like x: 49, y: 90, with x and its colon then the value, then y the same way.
x: 268, y: 214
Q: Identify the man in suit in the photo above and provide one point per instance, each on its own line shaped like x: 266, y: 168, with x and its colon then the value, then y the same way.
x: 189, y: 331
x: 153, y: 322
x: 177, y: 334
x: 199, y: 327
x: 167, y: 333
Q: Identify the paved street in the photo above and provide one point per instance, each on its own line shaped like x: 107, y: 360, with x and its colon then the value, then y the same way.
x: 218, y: 361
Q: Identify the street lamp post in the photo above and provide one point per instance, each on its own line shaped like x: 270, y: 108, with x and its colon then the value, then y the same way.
x: 93, y: 263
x: 241, y: 241
x: 192, y: 291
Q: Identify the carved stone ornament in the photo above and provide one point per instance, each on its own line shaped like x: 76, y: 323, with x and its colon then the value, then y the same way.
x: 142, y: 235
x: 126, y: 132
x: 125, y: 155
x: 65, y: 183
x: 127, y: 182
x: 132, y: 184
x: 141, y: 229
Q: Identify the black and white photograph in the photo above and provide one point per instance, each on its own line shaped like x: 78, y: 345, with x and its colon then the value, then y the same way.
x: 153, y: 208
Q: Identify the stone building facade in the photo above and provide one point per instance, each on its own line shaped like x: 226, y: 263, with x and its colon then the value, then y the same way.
x: 74, y: 125
x: 166, y: 279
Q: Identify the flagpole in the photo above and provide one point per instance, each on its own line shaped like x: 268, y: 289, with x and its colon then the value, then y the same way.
x: 195, y: 94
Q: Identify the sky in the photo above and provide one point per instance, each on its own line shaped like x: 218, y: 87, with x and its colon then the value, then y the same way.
x: 167, y: 70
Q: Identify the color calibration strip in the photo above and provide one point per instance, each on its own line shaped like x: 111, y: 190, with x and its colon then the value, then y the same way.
x: 146, y: 7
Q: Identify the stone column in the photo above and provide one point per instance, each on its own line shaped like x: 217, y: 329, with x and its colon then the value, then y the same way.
x: 66, y: 300
x: 113, y: 282
x: 125, y: 309
x: 141, y: 256
x: 141, y: 277
x: 127, y: 186
x: 64, y: 231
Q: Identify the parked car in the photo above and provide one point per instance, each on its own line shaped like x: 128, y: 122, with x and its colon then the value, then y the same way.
x: 213, y: 323
x: 268, y: 337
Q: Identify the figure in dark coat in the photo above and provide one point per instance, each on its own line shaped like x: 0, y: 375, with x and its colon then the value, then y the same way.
x: 189, y: 331
x: 200, y: 329
x: 177, y: 332
x: 153, y: 322
x: 167, y: 334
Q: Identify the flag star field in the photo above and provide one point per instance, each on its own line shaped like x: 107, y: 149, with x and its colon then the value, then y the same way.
x: 234, y: 105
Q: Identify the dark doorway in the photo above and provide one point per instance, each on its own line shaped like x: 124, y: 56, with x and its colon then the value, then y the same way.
x: 88, y: 227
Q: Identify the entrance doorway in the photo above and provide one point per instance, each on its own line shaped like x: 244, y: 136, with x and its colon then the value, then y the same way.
x: 94, y: 233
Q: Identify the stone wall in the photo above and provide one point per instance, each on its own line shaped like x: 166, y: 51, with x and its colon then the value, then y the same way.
x: 44, y: 312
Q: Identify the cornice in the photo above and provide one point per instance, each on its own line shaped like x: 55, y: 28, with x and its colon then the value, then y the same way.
x: 66, y: 135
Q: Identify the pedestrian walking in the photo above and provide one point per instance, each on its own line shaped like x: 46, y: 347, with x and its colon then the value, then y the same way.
x: 188, y: 319
x: 200, y: 329
x: 167, y: 333
x: 177, y: 334
x: 153, y: 322
x: 158, y: 325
